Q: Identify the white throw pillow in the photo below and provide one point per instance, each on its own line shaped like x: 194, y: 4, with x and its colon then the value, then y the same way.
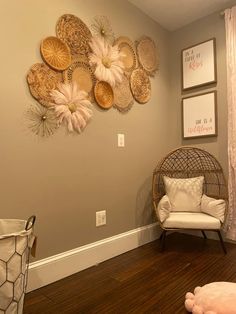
x: 163, y: 208
x: 184, y: 194
x: 213, y: 207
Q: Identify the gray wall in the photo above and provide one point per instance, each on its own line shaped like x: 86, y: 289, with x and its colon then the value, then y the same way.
x: 199, y: 31
x: 65, y: 179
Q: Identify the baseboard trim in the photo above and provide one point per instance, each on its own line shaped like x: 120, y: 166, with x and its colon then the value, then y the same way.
x: 51, y: 269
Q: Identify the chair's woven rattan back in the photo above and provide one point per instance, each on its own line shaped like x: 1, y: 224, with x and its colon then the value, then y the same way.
x: 187, y: 162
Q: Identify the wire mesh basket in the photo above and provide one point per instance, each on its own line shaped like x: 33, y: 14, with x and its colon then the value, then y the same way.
x: 16, y: 240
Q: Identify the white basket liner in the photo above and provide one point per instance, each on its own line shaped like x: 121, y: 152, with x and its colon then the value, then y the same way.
x: 13, y: 227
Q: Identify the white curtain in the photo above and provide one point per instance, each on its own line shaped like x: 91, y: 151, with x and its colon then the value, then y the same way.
x: 230, y: 25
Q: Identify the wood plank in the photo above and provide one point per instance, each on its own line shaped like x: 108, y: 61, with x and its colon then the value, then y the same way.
x: 143, y: 280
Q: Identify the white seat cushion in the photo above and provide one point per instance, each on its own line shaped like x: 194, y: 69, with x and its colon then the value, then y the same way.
x: 185, y: 220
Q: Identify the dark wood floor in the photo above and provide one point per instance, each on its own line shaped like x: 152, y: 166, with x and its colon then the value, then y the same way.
x: 140, y: 281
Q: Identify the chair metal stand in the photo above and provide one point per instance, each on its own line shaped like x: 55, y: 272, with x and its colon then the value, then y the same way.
x: 204, y: 235
x: 221, y: 241
x: 162, y: 239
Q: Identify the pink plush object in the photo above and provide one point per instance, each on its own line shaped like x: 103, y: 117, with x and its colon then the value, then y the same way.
x: 213, y: 298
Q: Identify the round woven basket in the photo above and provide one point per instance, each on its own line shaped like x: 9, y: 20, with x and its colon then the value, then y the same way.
x: 104, y: 94
x: 81, y: 72
x: 147, y: 55
x: 42, y: 80
x: 127, y: 49
x: 55, y: 53
x: 140, y: 86
x: 123, y: 98
x: 75, y: 33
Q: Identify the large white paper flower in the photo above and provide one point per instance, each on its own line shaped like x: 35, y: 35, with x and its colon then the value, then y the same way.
x: 107, y: 59
x: 72, y: 106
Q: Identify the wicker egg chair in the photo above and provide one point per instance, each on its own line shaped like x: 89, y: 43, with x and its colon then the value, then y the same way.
x: 189, y: 162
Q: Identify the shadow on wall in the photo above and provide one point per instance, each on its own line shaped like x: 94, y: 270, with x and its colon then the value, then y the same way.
x: 145, y: 214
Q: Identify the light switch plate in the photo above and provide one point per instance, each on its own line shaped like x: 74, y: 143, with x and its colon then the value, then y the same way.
x: 121, y: 140
x: 101, y: 218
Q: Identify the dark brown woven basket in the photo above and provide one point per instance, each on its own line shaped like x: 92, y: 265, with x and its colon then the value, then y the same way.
x: 188, y: 162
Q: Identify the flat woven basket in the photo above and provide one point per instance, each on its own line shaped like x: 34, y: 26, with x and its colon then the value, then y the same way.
x: 104, y: 94
x: 123, y: 98
x: 127, y: 48
x: 147, y: 55
x: 140, y: 86
x: 81, y: 72
x: 75, y: 33
x: 42, y: 80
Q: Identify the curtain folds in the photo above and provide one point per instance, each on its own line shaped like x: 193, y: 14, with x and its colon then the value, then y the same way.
x: 230, y: 26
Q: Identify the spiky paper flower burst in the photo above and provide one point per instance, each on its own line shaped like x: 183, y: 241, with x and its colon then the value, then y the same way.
x: 107, y: 60
x: 72, y: 106
x: 41, y: 120
x: 101, y: 27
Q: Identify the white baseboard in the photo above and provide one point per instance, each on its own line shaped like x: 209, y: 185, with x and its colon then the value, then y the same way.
x: 51, y: 269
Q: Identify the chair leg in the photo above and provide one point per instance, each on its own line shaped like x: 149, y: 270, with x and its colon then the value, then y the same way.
x: 162, y: 238
x: 204, y: 235
x: 221, y: 241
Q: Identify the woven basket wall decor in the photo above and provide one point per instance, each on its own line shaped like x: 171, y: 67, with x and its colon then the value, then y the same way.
x: 104, y: 94
x: 55, y: 53
x: 81, y: 72
x: 147, y: 55
x: 42, y: 80
x: 140, y: 86
x: 123, y: 98
x: 73, y: 55
x: 127, y: 48
x: 75, y: 33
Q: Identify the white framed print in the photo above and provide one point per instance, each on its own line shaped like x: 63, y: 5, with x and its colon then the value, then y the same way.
x: 199, y: 64
x: 199, y: 115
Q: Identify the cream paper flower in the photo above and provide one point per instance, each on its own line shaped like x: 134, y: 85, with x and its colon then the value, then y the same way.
x: 107, y: 59
x: 72, y: 106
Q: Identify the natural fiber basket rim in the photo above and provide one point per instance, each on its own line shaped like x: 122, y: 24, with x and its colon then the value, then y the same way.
x: 132, y: 57
x: 89, y: 79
